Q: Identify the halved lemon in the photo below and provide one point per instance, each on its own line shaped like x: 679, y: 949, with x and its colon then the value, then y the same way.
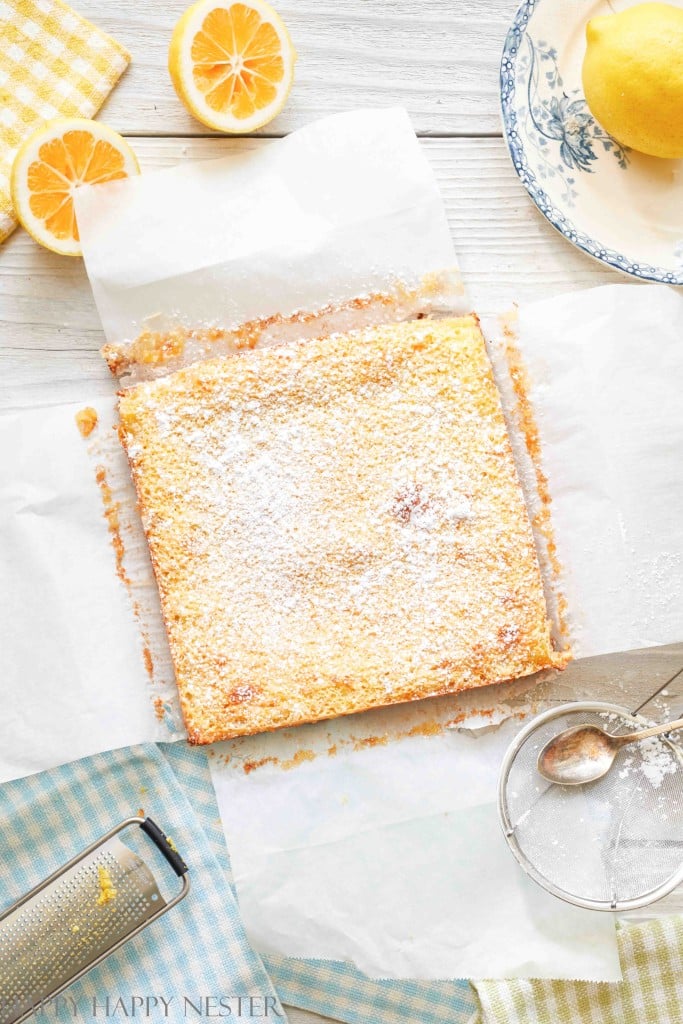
x: 52, y: 163
x: 232, y: 64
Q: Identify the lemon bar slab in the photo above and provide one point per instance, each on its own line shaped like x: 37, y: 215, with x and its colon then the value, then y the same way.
x: 335, y: 525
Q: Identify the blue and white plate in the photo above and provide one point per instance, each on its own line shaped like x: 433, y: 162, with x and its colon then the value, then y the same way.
x: 621, y: 207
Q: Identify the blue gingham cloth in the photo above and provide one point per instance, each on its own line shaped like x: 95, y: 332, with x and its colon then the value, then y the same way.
x: 199, y: 948
x: 339, y: 990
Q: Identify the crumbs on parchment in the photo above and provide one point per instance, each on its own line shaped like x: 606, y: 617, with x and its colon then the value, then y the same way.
x: 86, y: 420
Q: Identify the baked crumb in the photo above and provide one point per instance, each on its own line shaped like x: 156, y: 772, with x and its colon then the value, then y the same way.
x: 86, y: 420
x: 111, y: 514
x: 148, y: 660
x: 526, y: 421
x: 156, y: 350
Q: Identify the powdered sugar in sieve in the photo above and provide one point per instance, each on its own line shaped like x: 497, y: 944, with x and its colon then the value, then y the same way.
x: 613, y: 844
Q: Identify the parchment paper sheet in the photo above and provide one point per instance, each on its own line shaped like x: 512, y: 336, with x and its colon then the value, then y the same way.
x: 386, y: 854
x: 413, y: 825
x: 392, y: 857
x: 346, y: 206
x: 606, y: 368
x: 73, y: 672
x: 343, y: 206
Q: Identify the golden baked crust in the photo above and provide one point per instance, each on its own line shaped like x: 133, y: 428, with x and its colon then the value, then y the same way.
x: 335, y: 525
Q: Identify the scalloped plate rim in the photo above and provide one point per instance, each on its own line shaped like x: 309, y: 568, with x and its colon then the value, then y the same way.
x: 581, y: 240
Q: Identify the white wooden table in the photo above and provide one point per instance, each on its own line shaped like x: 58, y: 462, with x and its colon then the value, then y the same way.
x: 439, y: 58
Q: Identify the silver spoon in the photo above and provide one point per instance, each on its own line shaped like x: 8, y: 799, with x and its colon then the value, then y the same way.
x: 585, y: 753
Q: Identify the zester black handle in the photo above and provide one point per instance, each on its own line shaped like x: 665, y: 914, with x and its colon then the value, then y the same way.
x: 166, y: 847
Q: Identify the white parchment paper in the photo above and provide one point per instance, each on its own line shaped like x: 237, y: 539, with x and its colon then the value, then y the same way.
x: 74, y: 680
x: 385, y: 853
x: 392, y: 857
x: 606, y: 368
x: 347, y: 205
x: 343, y: 207
x: 409, y: 832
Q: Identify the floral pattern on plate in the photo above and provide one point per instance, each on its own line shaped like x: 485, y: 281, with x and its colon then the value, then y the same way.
x: 557, y: 146
x: 554, y: 117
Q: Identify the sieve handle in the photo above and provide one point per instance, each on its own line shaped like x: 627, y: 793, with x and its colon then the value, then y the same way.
x: 643, y: 734
x: 165, y: 846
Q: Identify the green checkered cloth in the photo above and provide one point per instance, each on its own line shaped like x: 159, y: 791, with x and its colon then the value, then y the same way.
x: 651, y: 992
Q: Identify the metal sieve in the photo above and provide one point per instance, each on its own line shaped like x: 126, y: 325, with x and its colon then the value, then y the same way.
x: 613, y: 844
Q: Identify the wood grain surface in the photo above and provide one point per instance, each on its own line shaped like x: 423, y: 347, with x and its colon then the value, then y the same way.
x: 438, y: 58
x: 50, y: 333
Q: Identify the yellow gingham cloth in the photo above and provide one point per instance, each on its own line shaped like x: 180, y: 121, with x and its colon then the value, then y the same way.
x: 53, y: 63
x: 651, y: 992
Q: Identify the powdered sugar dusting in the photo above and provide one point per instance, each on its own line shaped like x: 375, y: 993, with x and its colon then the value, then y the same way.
x: 334, y: 524
x: 658, y: 760
x: 654, y: 758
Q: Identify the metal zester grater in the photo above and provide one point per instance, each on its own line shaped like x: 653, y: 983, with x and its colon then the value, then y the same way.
x: 71, y: 921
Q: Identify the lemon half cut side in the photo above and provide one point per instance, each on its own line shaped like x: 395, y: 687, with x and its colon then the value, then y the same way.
x: 232, y: 64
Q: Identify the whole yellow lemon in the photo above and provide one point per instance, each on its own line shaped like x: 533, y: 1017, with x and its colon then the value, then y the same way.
x: 633, y: 77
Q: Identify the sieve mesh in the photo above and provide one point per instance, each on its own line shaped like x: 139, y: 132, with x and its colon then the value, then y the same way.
x: 612, y: 844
